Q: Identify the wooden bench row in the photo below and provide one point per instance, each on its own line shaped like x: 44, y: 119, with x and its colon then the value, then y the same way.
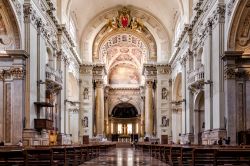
x: 51, y: 155
x: 182, y: 155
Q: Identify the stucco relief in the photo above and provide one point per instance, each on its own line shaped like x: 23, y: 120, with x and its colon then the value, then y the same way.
x: 12, y: 73
x: 7, y: 38
x: 239, y: 32
x: 243, y: 34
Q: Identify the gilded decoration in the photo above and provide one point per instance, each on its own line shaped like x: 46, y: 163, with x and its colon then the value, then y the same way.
x: 125, y: 30
x: 125, y: 20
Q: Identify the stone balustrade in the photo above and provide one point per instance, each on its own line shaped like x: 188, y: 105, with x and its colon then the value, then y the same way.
x: 196, y: 78
x: 53, y: 75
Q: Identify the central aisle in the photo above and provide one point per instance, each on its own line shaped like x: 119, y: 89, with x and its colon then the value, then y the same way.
x: 124, y: 157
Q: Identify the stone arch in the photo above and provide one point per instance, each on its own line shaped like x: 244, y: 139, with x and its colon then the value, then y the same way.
x: 198, y: 101
x: 119, y: 112
x: 9, y: 29
x: 119, y: 102
x: 50, y: 58
x: 156, y: 28
x: 239, y: 31
x: 73, y: 90
x: 144, y: 40
x: 199, y: 117
x: 177, y: 110
x: 177, y: 88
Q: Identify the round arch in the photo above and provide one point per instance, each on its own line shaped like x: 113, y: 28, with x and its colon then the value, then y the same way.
x: 145, y: 41
x: 10, y: 30
x: 155, y: 27
x: 124, y: 110
x: 199, y: 100
x: 238, y: 34
x: 129, y: 102
x: 177, y: 88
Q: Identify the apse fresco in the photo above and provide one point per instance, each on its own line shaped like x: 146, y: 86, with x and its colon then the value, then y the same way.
x: 124, y: 74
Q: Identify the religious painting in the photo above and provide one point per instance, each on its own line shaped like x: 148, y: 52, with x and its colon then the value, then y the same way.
x: 124, y: 74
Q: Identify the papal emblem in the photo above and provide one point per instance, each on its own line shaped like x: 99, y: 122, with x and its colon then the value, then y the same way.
x: 124, y: 20
x: 124, y: 17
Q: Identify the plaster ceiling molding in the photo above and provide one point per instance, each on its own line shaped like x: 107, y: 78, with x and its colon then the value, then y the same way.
x: 124, y: 46
x: 158, y: 30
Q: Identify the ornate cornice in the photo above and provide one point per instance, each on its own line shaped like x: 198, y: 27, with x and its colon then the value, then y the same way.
x: 18, y: 8
x: 124, y: 88
x: 163, y: 68
x: 186, y: 29
x: 219, y: 14
x: 51, y: 12
x: 230, y: 7
x: 86, y: 68
x: 149, y: 70
x: 12, y: 73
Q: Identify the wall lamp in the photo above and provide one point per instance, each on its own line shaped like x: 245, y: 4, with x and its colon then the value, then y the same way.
x: 41, y: 82
x: 208, y: 82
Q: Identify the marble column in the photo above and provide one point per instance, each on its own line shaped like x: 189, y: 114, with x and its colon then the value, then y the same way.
x: 149, y: 123
x: 99, y: 109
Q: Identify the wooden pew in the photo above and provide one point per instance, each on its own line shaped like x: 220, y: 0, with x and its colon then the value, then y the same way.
x: 175, y: 154
x: 39, y: 157
x: 166, y: 153
x: 186, y: 155
x: 59, y: 154
x: 203, y: 156
x: 232, y: 156
x: 12, y: 157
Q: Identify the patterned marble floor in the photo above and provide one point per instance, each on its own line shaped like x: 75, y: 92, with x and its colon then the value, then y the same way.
x: 124, y: 157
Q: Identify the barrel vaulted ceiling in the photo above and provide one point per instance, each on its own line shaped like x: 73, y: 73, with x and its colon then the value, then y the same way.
x: 165, y: 12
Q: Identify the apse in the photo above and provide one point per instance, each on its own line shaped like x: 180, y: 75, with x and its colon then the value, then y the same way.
x: 124, y: 110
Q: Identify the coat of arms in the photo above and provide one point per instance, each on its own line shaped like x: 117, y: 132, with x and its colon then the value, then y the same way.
x: 125, y: 21
x: 124, y: 17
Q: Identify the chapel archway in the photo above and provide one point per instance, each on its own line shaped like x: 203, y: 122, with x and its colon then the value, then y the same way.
x: 12, y: 75
x: 236, y: 73
x: 9, y: 29
x: 239, y: 33
x: 125, y: 122
x: 177, y: 108
x: 123, y: 46
x: 199, y: 117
